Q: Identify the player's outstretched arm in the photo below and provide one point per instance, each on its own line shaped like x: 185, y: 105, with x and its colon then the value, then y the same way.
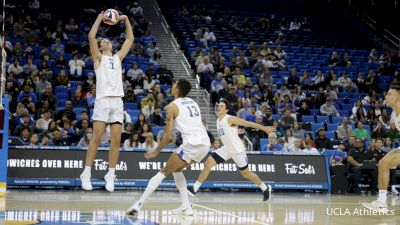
x: 237, y: 121
x: 94, y: 49
x: 172, y: 113
x: 129, y: 38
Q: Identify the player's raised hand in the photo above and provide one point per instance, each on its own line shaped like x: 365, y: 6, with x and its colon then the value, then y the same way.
x: 269, y: 129
x: 149, y: 155
x: 101, y: 16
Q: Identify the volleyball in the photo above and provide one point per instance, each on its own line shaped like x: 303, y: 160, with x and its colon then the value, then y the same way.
x: 111, y: 16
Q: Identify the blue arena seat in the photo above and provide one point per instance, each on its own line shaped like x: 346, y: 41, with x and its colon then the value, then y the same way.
x: 307, y: 119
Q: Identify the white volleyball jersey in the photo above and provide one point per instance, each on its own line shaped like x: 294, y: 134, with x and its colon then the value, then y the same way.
x: 109, y: 77
x: 395, y: 120
x: 189, y: 123
x: 229, y: 136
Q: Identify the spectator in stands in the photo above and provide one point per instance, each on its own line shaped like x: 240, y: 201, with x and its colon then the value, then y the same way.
x: 127, y: 131
x: 141, y: 120
x: 62, y: 79
x: 149, y: 96
x: 295, y: 24
x: 78, y: 101
x: 297, y: 131
x: 280, y: 53
x: 58, y: 48
x: 216, y: 144
x: 133, y: 141
x: 272, y: 145
x: 34, y: 140
x: 208, y: 36
x: 360, y: 132
x: 309, y: 149
x: 85, y: 140
x: 25, y: 123
x: 334, y: 59
x: 242, y: 61
x: 339, y: 157
x: 148, y: 109
x: 328, y: 109
x: 373, y: 56
x: 61, y: 62
x: 306, y: 81
x: 206, y: 71
x: 245, y: 110
x: 318, y: 80
x: 147, y: 38
x: 160, y: 101
x: 330, y: 94
x: 279, y: 131
x: 295, y: 147
x: 258, y: 69
x: 138, y: 84
x: 344, y: 131
x: 388, y: 145
x: 42, y: 124
x: 29, y: 67
x: 76, y: 65
x: 134, y: 71
x: 16, y: 68
x: 321, y: 141
x: 393, y: 133
x: 48, y: 96
x: 372, y: 81
x: 287, y: 120
x: 303, y: 110
x: 346, y: 84
x: 286, y: 104
x: 355, y: 159
x: 59, y: 34
x: 371, y: 117
x: 136, y: 10
x: 358, y: 107
x: 27, y: 93
x: 67, y: 111
x: 148, y: 82
x: 57, y: 139
x: 146, y: 128
x: 289, y: 139
x: 156, y: 118
x: 308, y: 137
x: 25, y: 135
x: 384, y: 118
x: 155, y: 59
x: 91, y: 97
x: 216, y: 86
x: 293, y: 80
x: 71, y: 27
x: 165, y: 75
x: 149, y: 144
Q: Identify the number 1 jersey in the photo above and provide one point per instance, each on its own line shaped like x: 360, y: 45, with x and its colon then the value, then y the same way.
x: 109, y: 77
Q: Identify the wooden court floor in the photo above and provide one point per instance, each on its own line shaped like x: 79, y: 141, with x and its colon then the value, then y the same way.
x: 99, y: 207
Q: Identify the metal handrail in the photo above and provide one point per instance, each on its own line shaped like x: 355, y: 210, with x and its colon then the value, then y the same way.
x: 197, y: 87
x: 249, y: 143
x: 206, y: 98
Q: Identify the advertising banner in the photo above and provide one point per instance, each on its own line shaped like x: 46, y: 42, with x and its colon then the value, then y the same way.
x: 63, y: 167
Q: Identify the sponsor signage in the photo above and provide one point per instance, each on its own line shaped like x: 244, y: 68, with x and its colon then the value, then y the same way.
x: 63, y: 167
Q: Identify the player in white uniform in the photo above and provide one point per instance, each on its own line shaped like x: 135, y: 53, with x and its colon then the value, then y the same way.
x: 108, y: 107
x: 233, y: 149
x: 184, y: 113
x: 392, y: 159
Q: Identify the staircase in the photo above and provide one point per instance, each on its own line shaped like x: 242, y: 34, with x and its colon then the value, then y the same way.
x: 176, y: 60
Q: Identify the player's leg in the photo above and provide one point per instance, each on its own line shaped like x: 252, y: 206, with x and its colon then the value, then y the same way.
x: 242, y: 162
x: 115, y: 129
x: 219, y: 156
x: 174, y: 164
x: 98, y: 131
x: 392, y: 159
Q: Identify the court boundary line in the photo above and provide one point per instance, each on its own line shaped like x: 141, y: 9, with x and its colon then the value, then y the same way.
x: 252, y: 220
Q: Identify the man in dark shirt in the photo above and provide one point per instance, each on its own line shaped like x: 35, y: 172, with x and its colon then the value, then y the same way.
x: 321, y: 141
x: 355, y: 160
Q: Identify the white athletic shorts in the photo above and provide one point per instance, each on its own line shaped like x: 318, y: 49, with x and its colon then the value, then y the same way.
x: 189, y: 153
x: 221, y: 155
x: 109, y: 110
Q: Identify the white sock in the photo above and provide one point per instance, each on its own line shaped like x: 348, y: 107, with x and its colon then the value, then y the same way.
x: 196, y: 186
x: 88, y: 170
x: 382, y: 196
x: 154, y: 182
x: 181, y: 184
x: 263, y: 187
x: 111, y: 171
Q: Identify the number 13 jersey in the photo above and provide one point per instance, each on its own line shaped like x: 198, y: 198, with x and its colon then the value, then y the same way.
x: 189, y: 122
x: 109, y: 77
